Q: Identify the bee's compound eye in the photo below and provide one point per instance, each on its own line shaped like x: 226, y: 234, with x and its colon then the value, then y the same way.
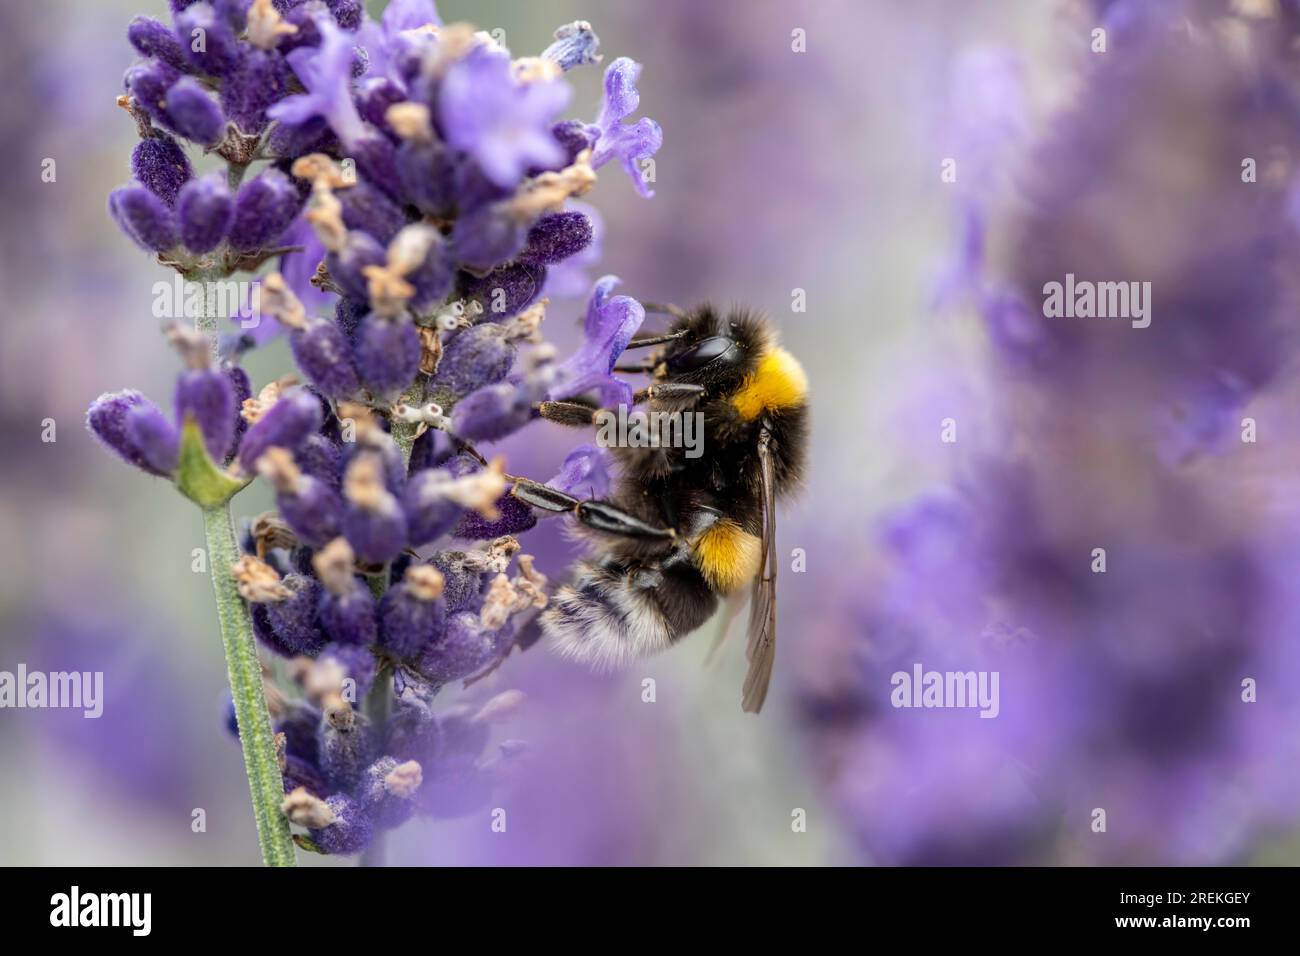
x: 714, y: 348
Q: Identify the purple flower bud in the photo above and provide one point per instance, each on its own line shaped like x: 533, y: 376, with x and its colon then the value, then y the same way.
x: 387, y: 355
x: 293, y: 620
x: 351, y: 831
x: 207, y: 395
x: 380, y: 445
x: 574, y: 136
x: 233, y: 12
x: 299, y: 723
x: 491, y: 413
x: 350, y: 617
x: 427, y: 175
x: 324, y: 354
x: 243, y: 389
x: 347, y: 746
x: 466, y: 648
x: 557, y: 237
x: 388, y: 789
x: 160, y: 165
x: 426, y: 452
x: 153, y: 38
x: 462, y: 586
x: 321, y: 458
x: 313, y: 510
x: 287, y: 424
x: 515, y: 518
x: 310, y: 507
x: 313, y: 136
x: 298, y: 772
x: 367, y: 209
x: 376, y: 159
x: 143, y: 217
x: 207, y: 40
x: 247, y: 92
x: 262, y: 631
x: 264, y: 208
x: 429, y: 512
x: 345, y: 266
x: 412, y: 731
x: 487, y: 236
x: 575, y: 45
x: 432, y: 279
x: 373, y: 521
x: 411, y: 613
x: 356, y: 662
x: 504, y: 292
x: 302, y: 16
x: 195, y: 115
x: 148, y: 83
x: 205, y: 209
x: 374, y: 95
x: 347, y: 13
x: 156, y: 438
x: 348, y: 313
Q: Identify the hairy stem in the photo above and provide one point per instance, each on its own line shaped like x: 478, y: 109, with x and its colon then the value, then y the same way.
x: 378, y: 704
x: 245, y: 672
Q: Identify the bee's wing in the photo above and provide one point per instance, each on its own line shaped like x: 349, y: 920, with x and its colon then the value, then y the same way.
x: 761, y: 650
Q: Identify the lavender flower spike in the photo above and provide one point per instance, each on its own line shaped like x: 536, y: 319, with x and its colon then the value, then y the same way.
x: 413, y: 181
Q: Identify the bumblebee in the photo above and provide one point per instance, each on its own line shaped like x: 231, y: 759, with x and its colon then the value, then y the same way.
x: 679, y: 532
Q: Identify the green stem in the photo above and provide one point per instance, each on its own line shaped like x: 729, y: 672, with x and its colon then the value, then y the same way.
x: 378, y: 704
x: 379, y: 700
x: 245, y: 672
x: 404, y: 432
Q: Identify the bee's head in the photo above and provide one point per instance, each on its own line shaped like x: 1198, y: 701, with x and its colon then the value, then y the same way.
x: 716, y: 351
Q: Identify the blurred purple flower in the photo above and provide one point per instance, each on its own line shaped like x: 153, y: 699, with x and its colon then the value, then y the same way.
x: 503, y: 123
x: 629, y: 143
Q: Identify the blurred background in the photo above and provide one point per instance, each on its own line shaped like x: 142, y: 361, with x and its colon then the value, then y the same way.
x: 786, y: 174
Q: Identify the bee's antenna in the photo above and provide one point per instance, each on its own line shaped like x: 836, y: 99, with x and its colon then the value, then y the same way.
x: 660, y: 308
x: 655, y: 339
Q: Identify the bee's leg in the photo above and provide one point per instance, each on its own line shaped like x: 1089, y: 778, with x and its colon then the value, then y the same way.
x: 670, y: 391
x: 592, y: 512
x: 572, y: 414
x: 642, y: 367
x: 578, y: 415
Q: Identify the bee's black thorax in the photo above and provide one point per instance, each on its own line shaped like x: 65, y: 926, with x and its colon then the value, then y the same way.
x: 664, y: 485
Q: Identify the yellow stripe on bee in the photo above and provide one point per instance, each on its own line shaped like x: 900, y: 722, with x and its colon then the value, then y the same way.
x: 727, y: 555
x: 779, y: 381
